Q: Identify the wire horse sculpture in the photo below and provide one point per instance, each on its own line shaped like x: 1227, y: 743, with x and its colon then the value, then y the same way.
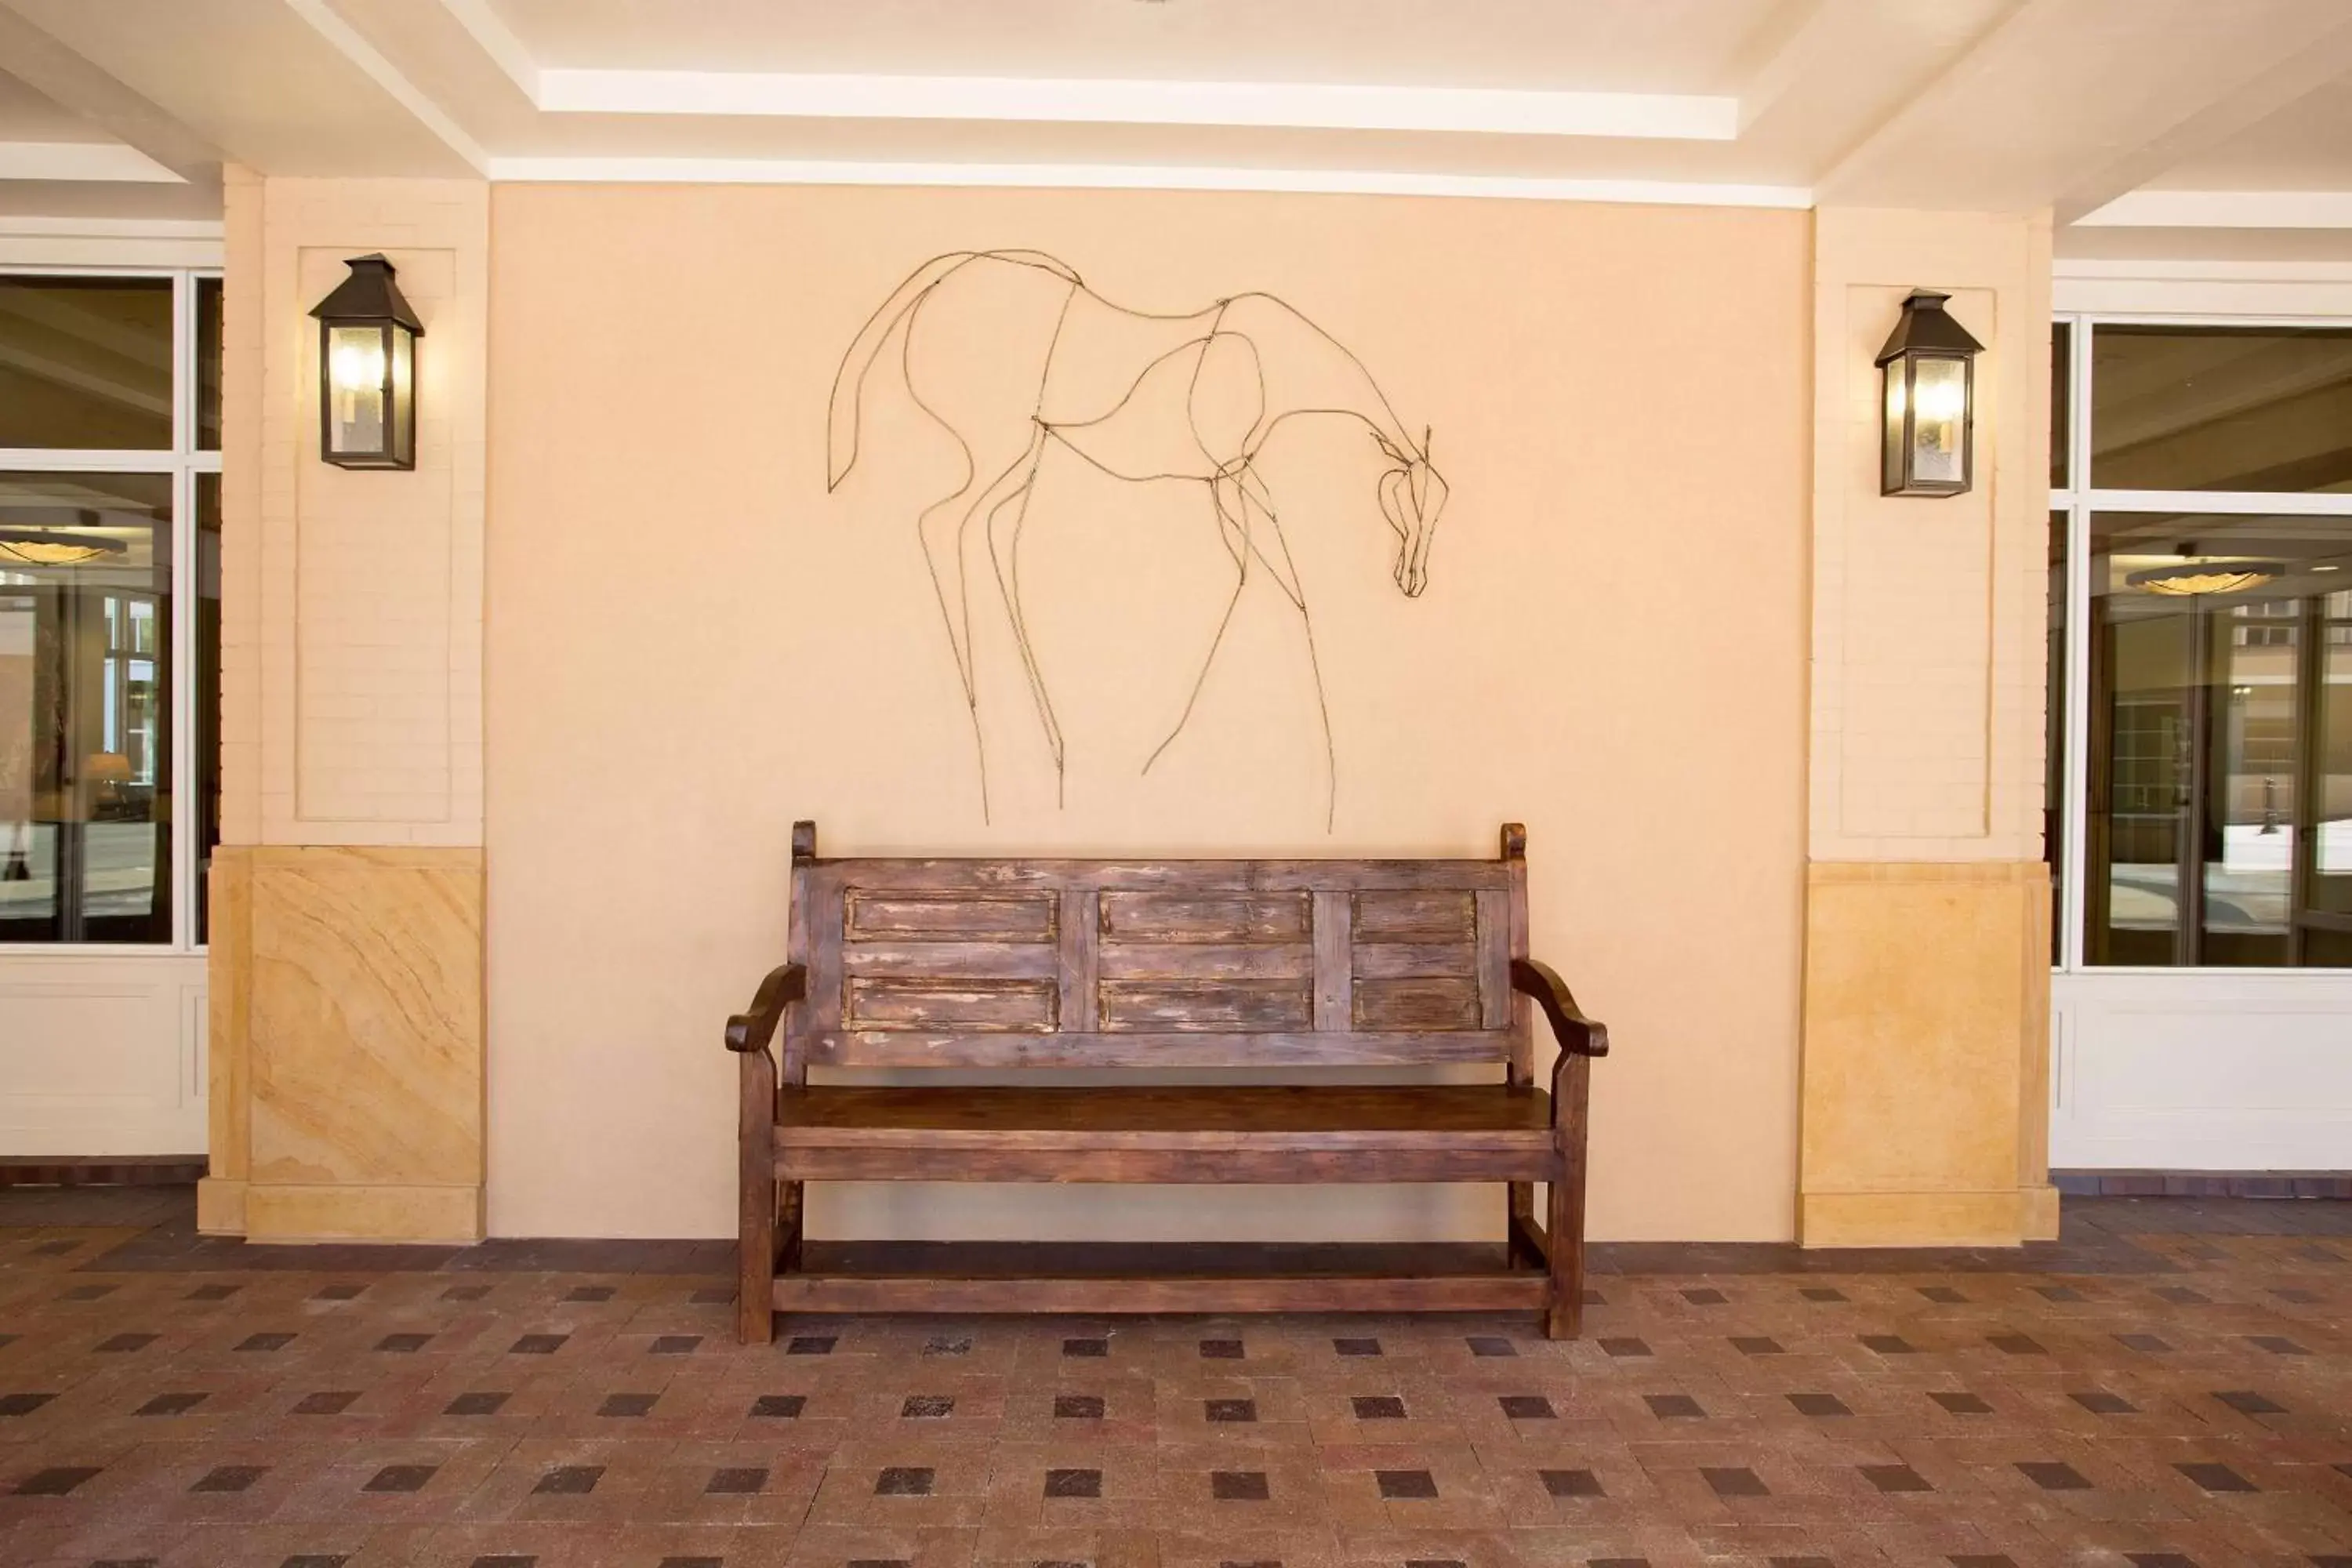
x: 1234, y: 346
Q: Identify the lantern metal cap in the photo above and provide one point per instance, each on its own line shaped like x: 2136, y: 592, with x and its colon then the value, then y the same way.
x: 369, y: 294
x: 1926, y: 325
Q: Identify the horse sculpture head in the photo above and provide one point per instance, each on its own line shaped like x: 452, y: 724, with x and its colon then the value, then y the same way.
x: 1412, y: 495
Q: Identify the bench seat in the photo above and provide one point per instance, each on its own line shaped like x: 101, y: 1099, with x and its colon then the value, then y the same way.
x: 1494, y: 1132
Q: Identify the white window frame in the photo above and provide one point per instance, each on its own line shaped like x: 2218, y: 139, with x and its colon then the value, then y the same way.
x: 183, y: 462
x: 2078, y: 502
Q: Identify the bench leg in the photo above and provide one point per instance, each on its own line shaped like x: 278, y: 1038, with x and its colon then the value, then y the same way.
x: 755, y: 1241
x: 1520, y: 1232
x: 1564, y: 1319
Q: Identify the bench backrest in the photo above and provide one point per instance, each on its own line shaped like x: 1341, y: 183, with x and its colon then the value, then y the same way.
x: 1131, y: 963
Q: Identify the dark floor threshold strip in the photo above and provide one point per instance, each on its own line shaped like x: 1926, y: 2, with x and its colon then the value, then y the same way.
x: 117, y: 1171
x: 2335, y: 1185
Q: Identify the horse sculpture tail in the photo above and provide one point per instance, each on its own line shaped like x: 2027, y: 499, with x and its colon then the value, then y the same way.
x: 849, y: 380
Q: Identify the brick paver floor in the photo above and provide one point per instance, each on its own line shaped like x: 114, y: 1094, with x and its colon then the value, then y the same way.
x: 2171, y: 1384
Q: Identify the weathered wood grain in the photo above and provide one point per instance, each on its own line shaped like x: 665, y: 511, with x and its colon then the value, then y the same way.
x: 1418, y: 960
x: 1204, y: 917
x: 980, y: 1005
x: 943, y: 917
x: 1307, y: 1293
x: 1207, y: 1007
x: 1202, y: 961
x: 1301, y: 1047
x: 1436, y: 914
x: 1416, y: 1005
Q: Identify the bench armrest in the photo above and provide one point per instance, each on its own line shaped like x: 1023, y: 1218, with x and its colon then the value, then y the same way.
x: 1577, y: 1034
x: 751, y: 1031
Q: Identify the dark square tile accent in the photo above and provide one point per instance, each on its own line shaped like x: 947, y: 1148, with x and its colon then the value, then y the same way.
x: 1619, y: 1562
x: 120, y: 1343
x: 2148, y: 1343
x: 2052, y: 1477
x: 470, y: 1293
x: 1821, y: 1293
x: 2246, y: 1402
x: 569, y: 1480
x: 1238, y: 1485
x: 675, y: 1344
x: 1895, y: 1478
x: 2276, y: 1345
x: 2182, y: 1296
x: 2053, y: 1293
x: 316, y: 1560
x: 811, y: 1344
x: 23, y: 1403
x: 400, y: 1478
x: 590, y: 1293
x: 1525, y: 1407
x: 878, y: 1562
x: 1961, y: 1404
x: 54, y: 1482
x: 1061, y: 1563
x: 2159, y: 1559
x: 1982, y: 1559
x: 1570, y: 1483
x: 1356, y: 1347
x: 229, y: 1477
x: 1074, y: 1483
x: 7, y: 1340
x: 2016, y: 1344
x: 1378, y: 1408
x: 1221, y: 1350
x: 1819, y: 1404
x: 1704, y: 1296
x: 2331, y: 1560
x: 1673, y: 1407
x: 404, y: 1345
x: 926, y: 1406
x: 1889, y: 1344
x: 170, y: 1405
x: 505, y: 1560
x: 1230, y: 1409
x: 538, y: 1344
x: 1942, y: 1295
x: 1078, y: 1406
x: 1254, y: 1562
x: 2294, y: 1293
x: 341, y: 1291
x: 88, y: 1293
x: 1406, y: 1483
x: 946, y: 1344
x: 736, y: 1481
x: 1756, y: 1344
x: 1625, y: 1347
x: 1799, y: 1562
x: 1086, y: 1347
x: 633, y: 1404
x: 212, y: 1292
x: 55, y: 1248
x: 1435, y: 1563
x: 2217, y: 1477
x: 1491, y: 1345
x: 903, y: 1480
x: 713, y: 1562
x: 1732, y: 1482
x: 327, y: 1402
x: 2099, y: 1401
x: 271, y: 1341
x: 483, y: 1404
x: 714, y: 1295
x: 779, y: 1407
x: 1592, y: 1298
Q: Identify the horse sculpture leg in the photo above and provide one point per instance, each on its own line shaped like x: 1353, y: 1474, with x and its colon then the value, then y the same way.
x: 1007, y: 517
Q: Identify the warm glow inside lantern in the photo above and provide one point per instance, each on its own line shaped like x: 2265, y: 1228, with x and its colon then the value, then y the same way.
x: 1929, y: 370
x: 367, y: 370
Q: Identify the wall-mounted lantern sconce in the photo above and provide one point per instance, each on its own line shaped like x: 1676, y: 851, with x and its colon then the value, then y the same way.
x: 367, y: 370
x: 1929, y: 367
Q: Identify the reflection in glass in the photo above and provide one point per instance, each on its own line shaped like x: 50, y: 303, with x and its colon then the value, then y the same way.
x: 2062, y: 399
x: 86, y: 362
x: 2220, y: 408
x: 208, y: 364
x: 2053, y: 754
x: 85, y: 707
x: 207, y: 587
x: 2221, y: 811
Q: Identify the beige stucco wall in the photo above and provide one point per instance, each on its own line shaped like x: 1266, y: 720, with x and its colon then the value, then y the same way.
x: 689, y: 644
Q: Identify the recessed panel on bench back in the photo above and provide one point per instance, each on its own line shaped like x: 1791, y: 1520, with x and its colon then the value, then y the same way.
x: 1072, y: 962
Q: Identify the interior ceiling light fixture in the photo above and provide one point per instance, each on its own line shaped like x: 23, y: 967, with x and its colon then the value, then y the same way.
x: 41, y: 547
x: 2194, y: 579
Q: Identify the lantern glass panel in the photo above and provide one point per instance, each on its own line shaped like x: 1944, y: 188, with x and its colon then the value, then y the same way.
x: 1897, y: 374
x: 355, y: 390
x: 1939, y: 421
x: 404, y: 393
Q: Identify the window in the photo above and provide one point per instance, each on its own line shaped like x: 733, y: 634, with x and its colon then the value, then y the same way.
x: 108, y: 527
x: 2207, y: 646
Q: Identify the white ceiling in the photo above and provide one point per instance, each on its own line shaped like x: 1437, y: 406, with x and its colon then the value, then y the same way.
x: 2144, y: 119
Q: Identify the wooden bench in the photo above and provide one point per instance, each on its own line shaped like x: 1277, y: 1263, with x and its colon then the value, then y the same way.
x: 1013, y: 964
